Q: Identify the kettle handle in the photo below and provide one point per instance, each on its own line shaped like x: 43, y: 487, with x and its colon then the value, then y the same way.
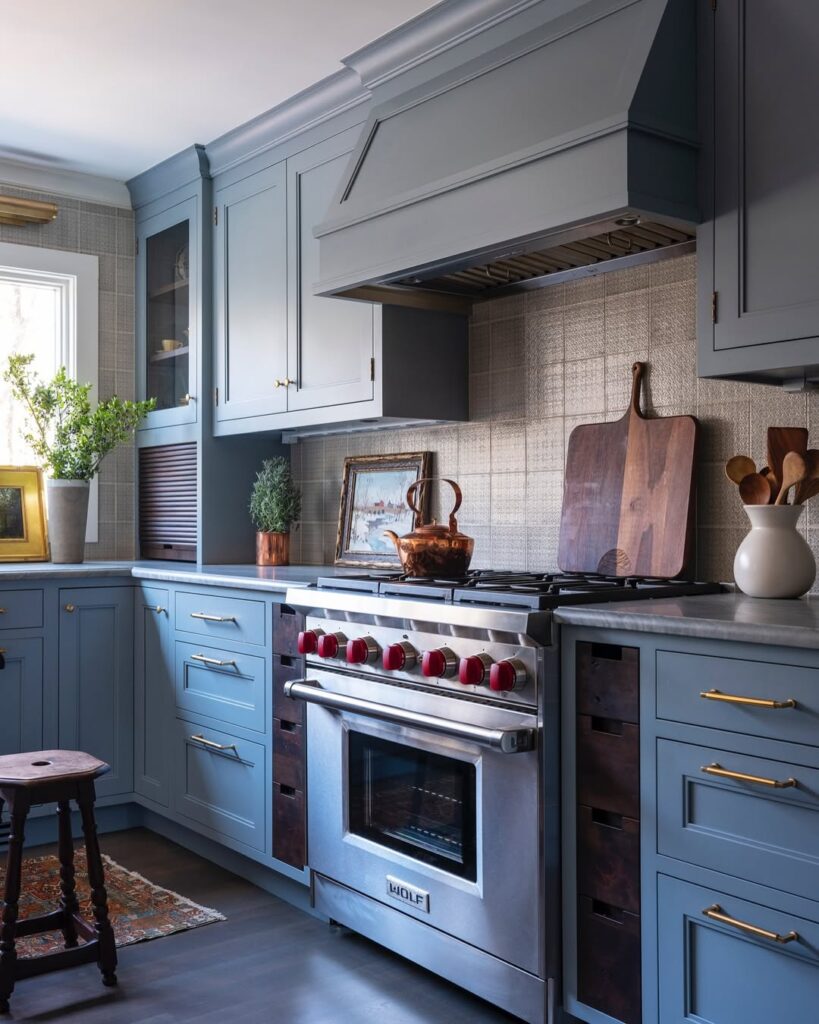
x: 453, y: 522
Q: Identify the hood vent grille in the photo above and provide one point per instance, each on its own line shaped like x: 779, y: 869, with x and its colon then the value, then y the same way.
x: 625, y: 246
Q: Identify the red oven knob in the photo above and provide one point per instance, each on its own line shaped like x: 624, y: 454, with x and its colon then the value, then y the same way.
x: 329, y: 643
x: 507, y: 675
x: 439, y: 663
x: 472, y: 671
x: 399, y: 656
x: 361, y: 650
x: 308, y: 641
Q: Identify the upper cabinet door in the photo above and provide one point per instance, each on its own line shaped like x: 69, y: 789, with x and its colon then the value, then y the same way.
x: 167, y: 287
x: 330, y: 341
x: 758, y: 252
x: 250, y: 295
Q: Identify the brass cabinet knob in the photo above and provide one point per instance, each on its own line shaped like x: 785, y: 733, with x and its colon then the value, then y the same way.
x: 277, y: 383
x: 287, y: 382
x: 70, y: 607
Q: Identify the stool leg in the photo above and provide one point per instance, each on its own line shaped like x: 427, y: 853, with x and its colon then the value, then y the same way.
x: 8, y: 928
x: 69, y: 903
x: 99, y: 897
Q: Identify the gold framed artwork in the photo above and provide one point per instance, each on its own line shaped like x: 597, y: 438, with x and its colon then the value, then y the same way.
x: 373, y: 499
x: 23, y: 534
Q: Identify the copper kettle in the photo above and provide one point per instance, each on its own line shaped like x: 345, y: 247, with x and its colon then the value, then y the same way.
x: 433, y: 549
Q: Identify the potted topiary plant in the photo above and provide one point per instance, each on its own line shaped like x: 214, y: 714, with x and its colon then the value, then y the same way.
x: 275, y: 504
x: 70, y: 440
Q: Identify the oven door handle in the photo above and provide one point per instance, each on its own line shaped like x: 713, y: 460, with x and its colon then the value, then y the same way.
x: 507, y: 741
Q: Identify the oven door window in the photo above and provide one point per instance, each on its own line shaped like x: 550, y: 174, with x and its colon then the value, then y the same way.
x: 418, y: 803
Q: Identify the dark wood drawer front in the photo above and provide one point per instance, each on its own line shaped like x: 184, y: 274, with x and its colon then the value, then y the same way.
x: 289, y: 825
x: 287, y: 624
x: 608, y: 765
x: 608, y: 858
x: 288, y: 754
x: 608, y: 960
x: 286, y: 668
x: 608, y: 681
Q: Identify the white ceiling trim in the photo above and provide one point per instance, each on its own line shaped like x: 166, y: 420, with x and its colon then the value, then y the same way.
x: 71, y: 184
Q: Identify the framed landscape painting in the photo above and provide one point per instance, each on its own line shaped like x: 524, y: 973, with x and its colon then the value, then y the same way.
x: 373, y: 499
x: 22, y: 515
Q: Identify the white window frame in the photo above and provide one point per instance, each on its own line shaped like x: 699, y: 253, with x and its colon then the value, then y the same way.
x: 77, y: 275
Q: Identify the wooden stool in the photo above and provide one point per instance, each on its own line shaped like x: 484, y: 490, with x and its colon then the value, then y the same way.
x: 40, y: 778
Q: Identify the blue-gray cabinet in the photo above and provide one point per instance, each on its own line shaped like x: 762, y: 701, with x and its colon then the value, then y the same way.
x: 757, y: 262
x: 21, y: 692
x: 96, y: 667
x: 250, y: 296
x: 153, y: 693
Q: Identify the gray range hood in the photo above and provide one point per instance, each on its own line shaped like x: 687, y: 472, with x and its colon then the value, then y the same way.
x: 569, y: 146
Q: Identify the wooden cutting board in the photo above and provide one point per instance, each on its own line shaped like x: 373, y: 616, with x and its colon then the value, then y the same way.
x: 628, y: 498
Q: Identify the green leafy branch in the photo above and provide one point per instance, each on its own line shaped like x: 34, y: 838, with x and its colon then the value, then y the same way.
x: 69, y: 439
x: 275, y: 501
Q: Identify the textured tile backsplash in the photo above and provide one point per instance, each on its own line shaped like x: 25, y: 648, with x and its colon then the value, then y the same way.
x: 540, y: 364
x: 106, y: 232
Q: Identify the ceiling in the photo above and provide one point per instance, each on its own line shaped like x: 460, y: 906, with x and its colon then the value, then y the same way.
x: 110, y: 88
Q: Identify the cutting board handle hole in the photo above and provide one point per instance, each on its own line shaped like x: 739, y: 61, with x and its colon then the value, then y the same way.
x: 608, y: 725
x: 607, y: 652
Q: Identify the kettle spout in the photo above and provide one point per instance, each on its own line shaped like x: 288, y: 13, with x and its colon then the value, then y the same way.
x: 393, y: 537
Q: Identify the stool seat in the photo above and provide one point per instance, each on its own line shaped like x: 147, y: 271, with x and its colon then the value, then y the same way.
x: 41, y: 766
x: 41, y: 777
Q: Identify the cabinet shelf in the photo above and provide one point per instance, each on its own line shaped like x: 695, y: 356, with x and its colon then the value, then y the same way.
x: 161, y: 357
x: 166, y: 290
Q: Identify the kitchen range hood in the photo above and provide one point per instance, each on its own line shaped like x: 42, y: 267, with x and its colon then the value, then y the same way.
x: 565, y: 145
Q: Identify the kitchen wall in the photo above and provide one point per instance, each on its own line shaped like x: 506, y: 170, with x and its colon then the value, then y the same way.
x: 106, y: 232
x: 542, y: 363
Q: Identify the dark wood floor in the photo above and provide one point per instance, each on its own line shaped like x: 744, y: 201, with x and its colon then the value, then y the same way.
x: 267, y: 964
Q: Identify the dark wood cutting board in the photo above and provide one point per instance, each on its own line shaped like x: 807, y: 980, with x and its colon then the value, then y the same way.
x: 628, y: 498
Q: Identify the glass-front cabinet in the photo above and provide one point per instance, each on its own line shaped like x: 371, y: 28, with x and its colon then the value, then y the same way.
x: 167, y: 330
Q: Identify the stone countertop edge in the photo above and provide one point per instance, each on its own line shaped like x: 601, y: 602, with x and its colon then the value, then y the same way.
x: 277, y: 579
x: 731, y: 617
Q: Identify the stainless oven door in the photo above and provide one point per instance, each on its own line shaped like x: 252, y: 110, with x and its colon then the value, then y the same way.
x: 434, y: 814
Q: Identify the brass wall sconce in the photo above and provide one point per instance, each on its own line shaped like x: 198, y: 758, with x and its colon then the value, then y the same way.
x: 25, y: 211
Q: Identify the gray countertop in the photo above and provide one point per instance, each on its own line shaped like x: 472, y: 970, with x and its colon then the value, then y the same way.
x: 712, y: 616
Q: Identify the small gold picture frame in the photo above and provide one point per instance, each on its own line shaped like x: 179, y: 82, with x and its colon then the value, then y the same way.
x: 23, y: 534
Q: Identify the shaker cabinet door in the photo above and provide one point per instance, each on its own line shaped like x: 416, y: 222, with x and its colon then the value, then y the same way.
x: 330, y: 341
x: 153, y: 693
x: 250, y: 295
x: 757, y: 247
x: 21, y: 696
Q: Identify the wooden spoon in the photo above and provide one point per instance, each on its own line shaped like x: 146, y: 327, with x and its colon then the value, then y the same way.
x: 810, y: 485
x: 794, y: 472
x: 767, y: 472
x: 782, y: 440
x: 737, y: 468
x: 754, y: 489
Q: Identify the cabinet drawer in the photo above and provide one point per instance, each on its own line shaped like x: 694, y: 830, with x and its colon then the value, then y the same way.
x: 608, y: 858
x: 711, y: 971
x: 221, y: 684
x: 287, y: 624
x: 751, y: 830
x: 21, y: 609
x: 285, y: 669
x: 219, y: 782
x: 608, y: 681
x: 221, y: 618
x: 682, y: 678
x: 288, y: 754
x: 608, y: 765
x: 608, y: 960
x: 289, y: 825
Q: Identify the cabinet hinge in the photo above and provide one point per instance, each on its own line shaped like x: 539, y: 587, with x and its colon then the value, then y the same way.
x: 215, y: 216
x: 372, y: 368
x: 136, y: 246
x: 216, y: 396
x: 713, y: 307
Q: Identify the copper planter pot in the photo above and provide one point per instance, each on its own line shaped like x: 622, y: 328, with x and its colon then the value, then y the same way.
x: 272, y: 548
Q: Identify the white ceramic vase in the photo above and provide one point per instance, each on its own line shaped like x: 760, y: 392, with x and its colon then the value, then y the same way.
x: 774, y: 560
x: 67, y: 517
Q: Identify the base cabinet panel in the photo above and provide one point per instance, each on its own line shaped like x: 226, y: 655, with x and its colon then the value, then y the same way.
x: 21, y: 696
x: 720, y: 973
x: 153, y: 694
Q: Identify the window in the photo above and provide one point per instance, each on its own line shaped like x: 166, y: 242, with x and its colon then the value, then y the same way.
x: 48, y: 306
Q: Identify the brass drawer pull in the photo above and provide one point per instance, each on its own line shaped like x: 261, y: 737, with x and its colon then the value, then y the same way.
x: 212, y: 661
x: 716, y: 913
x: 759, y: 780
x: 752, y: 702
x: 213, y: 744
x: 213, y: 618
x: 156, y: 608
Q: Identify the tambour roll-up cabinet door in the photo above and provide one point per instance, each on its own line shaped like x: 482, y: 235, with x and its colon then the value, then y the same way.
x: 167, y: 502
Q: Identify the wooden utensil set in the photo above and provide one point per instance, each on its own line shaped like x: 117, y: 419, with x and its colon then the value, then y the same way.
x: 791, y: 466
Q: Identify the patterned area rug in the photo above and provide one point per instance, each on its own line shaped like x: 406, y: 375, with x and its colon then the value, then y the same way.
x: 139, y: 910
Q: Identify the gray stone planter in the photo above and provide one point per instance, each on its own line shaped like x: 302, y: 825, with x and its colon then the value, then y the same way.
x: 67, y: 518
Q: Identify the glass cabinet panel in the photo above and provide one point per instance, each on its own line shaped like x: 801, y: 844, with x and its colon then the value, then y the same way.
x: 167, y: 317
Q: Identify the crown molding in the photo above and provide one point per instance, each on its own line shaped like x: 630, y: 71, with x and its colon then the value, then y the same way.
x: 69, y: 184
x: 182, y: 168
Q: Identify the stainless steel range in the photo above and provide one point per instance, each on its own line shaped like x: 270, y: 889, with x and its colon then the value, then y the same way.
x: 433, y: 769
